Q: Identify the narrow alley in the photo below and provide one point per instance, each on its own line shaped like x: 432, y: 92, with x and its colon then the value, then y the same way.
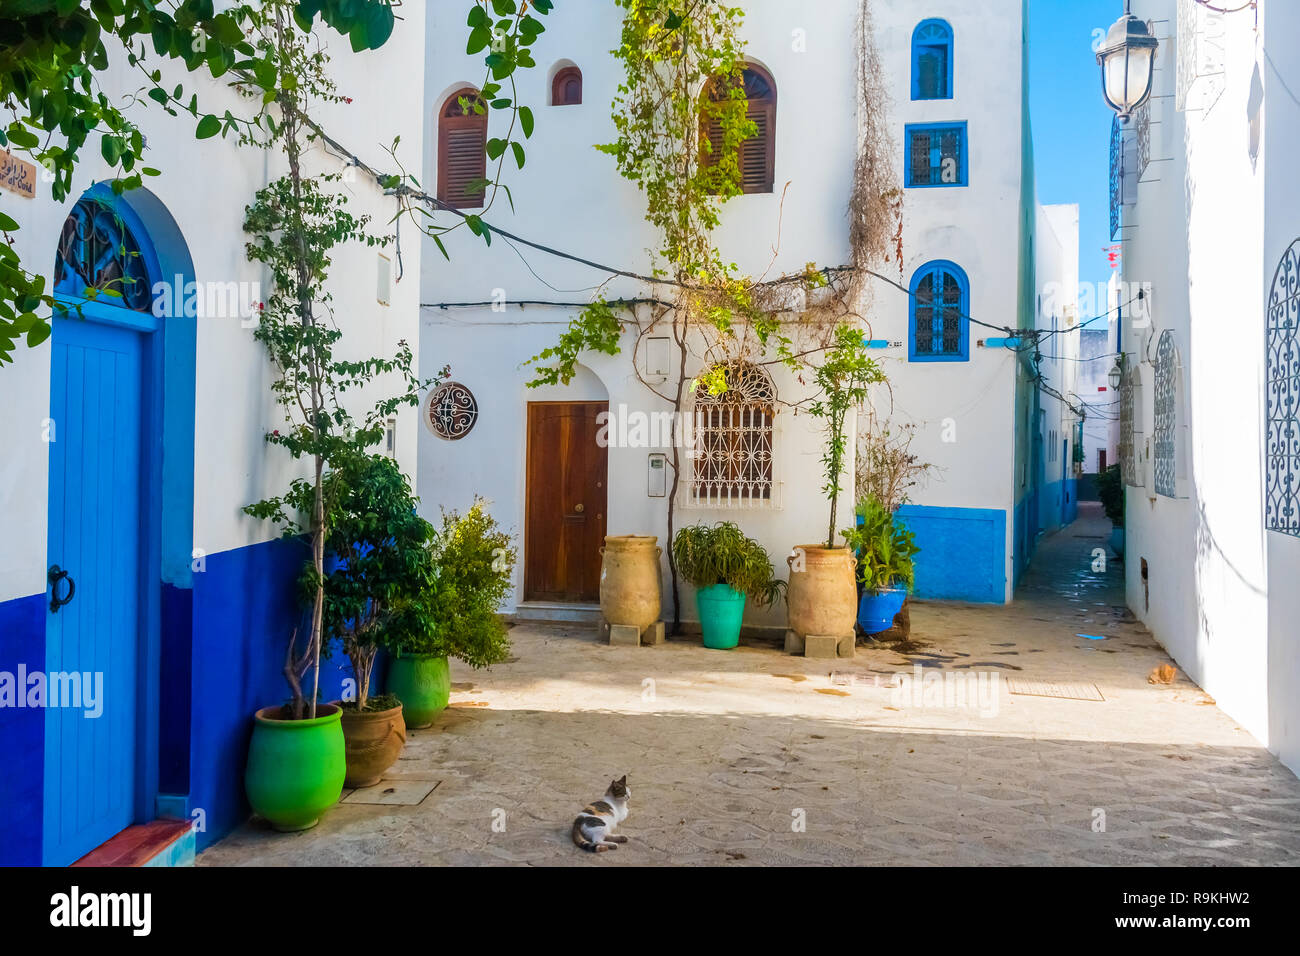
x: 754, y: 757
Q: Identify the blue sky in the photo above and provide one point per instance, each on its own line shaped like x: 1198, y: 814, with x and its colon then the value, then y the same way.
x: 1071, y: 122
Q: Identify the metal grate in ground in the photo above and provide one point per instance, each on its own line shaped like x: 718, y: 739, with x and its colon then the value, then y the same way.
x: 1052, y: 688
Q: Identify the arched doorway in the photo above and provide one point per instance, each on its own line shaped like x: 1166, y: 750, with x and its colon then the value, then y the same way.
x: 566, y: 499
x: 116, y: 363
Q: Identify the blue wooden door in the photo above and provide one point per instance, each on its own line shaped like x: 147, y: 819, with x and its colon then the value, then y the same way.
x: 96, y: 402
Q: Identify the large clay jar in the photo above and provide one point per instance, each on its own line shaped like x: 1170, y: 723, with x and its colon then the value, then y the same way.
x: 373, y: 738
x: 629, y: 580
x: 823, y: 595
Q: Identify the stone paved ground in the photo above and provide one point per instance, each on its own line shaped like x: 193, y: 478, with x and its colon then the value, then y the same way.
x: 726, y: 751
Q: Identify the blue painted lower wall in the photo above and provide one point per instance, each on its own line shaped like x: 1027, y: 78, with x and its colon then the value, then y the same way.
x: 963, y: 552
x: 223, y: 648
x: 1025, y: 534
x: 244, y: 612
x: 1058, y: 504
x: 22, y: 736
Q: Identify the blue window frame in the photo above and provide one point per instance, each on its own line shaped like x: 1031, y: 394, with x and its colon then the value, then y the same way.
x: 936, y: 155
x: 932, y: 55
x: 937, y: 328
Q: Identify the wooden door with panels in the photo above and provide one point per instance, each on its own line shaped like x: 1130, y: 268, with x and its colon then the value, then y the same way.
x: 565, y: 505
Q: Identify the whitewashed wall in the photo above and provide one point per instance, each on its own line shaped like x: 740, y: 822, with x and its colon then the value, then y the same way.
x: 1214, y: 594
x: 1279, y: 75
x: 205, y: 186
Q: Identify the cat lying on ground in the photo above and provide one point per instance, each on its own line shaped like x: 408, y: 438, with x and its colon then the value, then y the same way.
x: 593, y: 830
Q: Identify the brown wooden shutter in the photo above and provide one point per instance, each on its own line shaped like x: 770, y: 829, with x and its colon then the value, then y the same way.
x: 757, y: 153
x: 757, y: 159
x: 462, y: 153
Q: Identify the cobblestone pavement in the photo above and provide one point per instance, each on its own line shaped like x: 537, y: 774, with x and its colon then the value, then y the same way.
x: 729, y: 752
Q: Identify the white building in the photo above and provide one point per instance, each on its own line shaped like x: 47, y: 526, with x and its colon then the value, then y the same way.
x: 1205, y: 194
x: 132, y: 441
x: 956, y: 76
x: 1098, y: 348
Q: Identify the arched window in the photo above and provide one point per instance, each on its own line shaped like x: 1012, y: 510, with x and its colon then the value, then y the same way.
x: 757, y: 157
x: 1282, y: 395
x: 932, y: 50
x: 566, y: 87
x: 733, y: 441
x: 462, y: 149
x: 99, y: 259
x: 1168, y: 428
x: 938, y: 330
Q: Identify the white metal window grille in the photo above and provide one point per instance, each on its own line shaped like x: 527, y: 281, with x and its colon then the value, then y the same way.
x: 732, y: 462
x: 1166, y: 433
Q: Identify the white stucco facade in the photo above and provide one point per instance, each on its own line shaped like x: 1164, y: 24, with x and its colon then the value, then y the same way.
x: 570, y: 197
x: 1215, y: 587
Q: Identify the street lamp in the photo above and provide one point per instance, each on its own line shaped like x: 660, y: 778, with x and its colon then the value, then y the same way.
x: 1127, y: 61
x: 1116, y: 375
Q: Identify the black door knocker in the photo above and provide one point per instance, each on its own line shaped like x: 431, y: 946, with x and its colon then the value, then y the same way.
x: 57, y: 574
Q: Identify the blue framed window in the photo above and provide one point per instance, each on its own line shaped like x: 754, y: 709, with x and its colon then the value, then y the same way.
x: 932, y: 50
x: 938, y: 330
x: 936, y: 154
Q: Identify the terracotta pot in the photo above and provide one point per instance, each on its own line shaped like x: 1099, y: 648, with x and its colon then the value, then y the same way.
x: 629, y: 580
x: 823, y: 596
x: 373, y: 740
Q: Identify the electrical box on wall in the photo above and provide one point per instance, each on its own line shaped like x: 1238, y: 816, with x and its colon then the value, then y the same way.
x: 657, y: 355
x: 657, y: 476
x: 384, y: 280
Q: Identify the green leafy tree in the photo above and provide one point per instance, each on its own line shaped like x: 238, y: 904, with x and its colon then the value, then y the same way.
x: 844, y: 377
x: 378, y: 550
x: 296, y: 223
x: 51, y: 52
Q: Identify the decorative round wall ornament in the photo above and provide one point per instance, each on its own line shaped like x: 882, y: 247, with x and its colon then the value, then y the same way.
x: 451, y: 411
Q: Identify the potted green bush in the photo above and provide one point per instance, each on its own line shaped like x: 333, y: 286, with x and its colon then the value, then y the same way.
x: 885, y: 549
x: 822, y: 597
x: 1110, y: 489
x: 379, y: 549
x: 725, y: 567
x: 452, y: 614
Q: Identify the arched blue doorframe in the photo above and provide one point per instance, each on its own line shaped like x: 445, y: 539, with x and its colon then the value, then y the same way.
x: 166, y: 345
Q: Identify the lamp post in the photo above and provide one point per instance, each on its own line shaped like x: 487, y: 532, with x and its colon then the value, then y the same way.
x: 1127, y: 61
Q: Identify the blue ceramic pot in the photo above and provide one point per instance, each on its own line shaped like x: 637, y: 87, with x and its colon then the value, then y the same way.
x: 876, y: 610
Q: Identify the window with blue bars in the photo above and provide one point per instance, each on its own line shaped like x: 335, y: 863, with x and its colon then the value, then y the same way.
x: 932, y: 50
x: 938, y: 330
x: 936, y: 154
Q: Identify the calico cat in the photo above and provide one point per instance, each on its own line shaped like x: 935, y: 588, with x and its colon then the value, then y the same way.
x: 593, y: 830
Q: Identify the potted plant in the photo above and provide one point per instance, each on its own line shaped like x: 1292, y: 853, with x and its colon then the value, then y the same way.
x: 725, y: 567
x: 1110, y: 489
x: 822, y: 596
x: 452, y: 614
x: 378, y: 549
x: 884, y: 549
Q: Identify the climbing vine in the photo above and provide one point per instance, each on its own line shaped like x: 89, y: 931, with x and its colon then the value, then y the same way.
x: 295, y: 224
x: 683, y: 70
